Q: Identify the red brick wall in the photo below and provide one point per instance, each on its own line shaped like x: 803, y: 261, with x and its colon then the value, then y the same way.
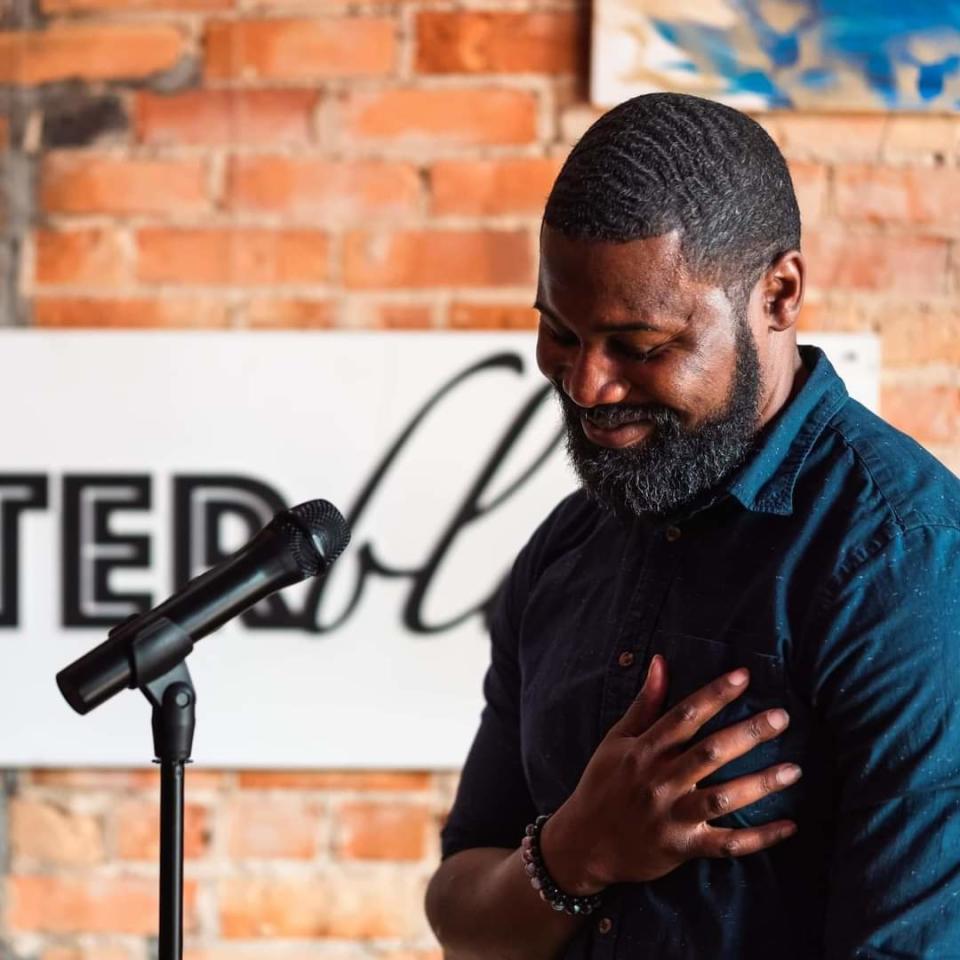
x: 377, y: 164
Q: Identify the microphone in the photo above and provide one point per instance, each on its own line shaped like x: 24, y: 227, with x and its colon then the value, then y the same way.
x: 298, y: 543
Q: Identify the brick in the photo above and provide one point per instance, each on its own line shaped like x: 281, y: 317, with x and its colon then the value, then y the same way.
x: 913, y: 336
x: 492, y: 316
x: 445, y: 116
x: 441, y: 258
x: 911, y: 195
x: 376, y: 831
x: 491, y: 187
x: 137, y: 830
x: 88, y: 52
x: 836, y: 316
x: 923, y: 138
x: 138, y: 313
x: 403, y: 316
x: 290, y: 314
x: 498, y: 42
x: 829, y: 137
x: 810, y: 182
x: 91, y: 778
x: 61, y: 7
x: 225, y: 116
x: 98, y: 952
x: 94, y: 183
x: 876, y: 262
x: 349, y: 906
x: 93, y: 258
x: 929, y: 413
x: 362, y: 313
x: 52, y: 834
x: 287, y: 827
x: 300, y: 49
x: 88, y: 904
x: 299, y: 187
x: 241, y: 257
x: 334, y: 779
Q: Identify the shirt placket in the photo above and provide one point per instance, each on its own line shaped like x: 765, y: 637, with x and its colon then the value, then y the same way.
x: 630, y: 656
x: 626, y: 669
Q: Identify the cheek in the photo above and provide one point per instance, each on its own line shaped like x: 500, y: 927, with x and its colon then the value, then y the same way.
x: 693, y: 384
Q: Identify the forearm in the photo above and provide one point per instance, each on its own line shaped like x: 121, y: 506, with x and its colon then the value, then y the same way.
x: 481, y: 907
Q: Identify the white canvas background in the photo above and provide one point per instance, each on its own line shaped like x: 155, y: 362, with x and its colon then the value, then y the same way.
x: 310, y: 414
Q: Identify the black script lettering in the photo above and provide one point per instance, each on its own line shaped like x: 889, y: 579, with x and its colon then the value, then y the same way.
x: 92, y: 551
x: 18, y: 492
x: 469, y: 510
x: 201, y: 504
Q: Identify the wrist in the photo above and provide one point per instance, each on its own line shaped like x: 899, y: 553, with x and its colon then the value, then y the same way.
x: 566, y: 855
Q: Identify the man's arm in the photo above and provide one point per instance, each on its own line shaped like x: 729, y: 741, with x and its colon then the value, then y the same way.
x: 888, y: 689
x: 636, y: 815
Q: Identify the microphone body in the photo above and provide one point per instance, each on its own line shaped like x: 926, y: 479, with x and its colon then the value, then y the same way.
x: 296, y: 544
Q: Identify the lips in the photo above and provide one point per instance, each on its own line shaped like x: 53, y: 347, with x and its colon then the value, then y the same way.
x: 623, y: 435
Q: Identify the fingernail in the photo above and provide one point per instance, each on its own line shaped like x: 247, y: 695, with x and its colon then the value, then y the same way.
x: 656, y: 657
x: 739, y: 677
x: 789, y: 774
x: 777, y: 719
x: 788, y: 831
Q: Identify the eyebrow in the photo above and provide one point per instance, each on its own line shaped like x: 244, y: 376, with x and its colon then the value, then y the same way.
x: 637, y: 325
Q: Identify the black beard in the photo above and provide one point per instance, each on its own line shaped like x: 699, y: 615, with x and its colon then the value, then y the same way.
x: 673, y: 465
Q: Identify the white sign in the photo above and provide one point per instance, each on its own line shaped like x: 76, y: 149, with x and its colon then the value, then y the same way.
x: 130, y: 462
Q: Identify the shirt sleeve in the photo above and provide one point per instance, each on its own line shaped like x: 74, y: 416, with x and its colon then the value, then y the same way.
x: 493, y: 803
x: 888, y: 690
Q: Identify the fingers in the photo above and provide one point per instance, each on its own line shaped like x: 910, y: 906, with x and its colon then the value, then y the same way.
x: 710, y: 754
x: 682, y: 721
x: 707, y: 803
x: 725, y: 842
x: 649, y: 701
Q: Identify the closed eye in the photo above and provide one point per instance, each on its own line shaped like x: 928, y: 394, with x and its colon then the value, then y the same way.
x: 634, y: 353
x: 563, y: 337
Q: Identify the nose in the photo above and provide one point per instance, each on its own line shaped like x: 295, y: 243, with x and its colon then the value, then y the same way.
x: 592, y: 379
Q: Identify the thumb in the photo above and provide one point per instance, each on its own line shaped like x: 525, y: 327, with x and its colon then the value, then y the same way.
x: 646, y: 707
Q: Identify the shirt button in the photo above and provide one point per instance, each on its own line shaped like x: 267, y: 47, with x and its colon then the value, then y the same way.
x: 672, y: 534
x: 625, y: 659
x: 605, y: 925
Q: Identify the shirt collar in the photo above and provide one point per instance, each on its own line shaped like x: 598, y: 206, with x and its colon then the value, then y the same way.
x: 765, y: 482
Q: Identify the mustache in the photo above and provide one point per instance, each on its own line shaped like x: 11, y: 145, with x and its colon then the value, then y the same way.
x: 611, y: 415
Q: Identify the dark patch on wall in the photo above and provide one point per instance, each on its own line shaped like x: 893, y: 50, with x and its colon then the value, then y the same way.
x: 8, y: 788
x: 20, y: 14
x: 17, y: 201
x: 75, y: 118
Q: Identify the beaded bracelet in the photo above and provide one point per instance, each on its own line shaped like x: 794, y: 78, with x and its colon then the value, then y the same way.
x: 542, y: 882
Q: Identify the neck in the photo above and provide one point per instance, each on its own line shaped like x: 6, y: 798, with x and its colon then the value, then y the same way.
x: 785, y: 388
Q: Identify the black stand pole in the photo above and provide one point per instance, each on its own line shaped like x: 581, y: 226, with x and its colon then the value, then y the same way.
x: 173, y: 700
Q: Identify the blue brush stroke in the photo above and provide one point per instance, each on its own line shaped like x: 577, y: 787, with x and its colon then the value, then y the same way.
x: 872, y: 37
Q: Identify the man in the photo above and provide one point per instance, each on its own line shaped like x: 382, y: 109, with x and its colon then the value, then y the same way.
x: 737, y: 510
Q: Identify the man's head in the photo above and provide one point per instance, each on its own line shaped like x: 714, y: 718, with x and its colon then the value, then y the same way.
x: 670, y: 279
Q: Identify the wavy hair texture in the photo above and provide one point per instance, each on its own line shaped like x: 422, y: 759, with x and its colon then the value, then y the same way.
x: 669, y: 161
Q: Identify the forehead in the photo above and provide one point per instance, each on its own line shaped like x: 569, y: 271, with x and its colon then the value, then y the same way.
x: 644, y: 279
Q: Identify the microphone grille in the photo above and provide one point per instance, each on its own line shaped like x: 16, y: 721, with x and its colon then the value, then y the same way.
x: 318, y: 534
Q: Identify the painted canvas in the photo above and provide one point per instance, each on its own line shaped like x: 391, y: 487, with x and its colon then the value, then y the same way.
x: 781, y: 54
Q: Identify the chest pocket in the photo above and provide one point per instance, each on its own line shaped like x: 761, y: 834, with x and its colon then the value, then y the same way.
x: 692, y: 663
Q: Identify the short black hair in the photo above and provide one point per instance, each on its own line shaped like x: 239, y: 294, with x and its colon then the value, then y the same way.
x: 667, y: 161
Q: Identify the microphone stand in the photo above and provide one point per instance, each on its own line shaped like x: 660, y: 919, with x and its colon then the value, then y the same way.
x: 173, y: 699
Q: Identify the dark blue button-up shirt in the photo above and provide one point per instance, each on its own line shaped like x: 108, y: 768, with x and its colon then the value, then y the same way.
x: 830, y: 566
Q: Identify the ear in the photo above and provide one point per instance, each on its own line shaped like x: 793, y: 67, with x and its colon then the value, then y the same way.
x: 782, y: 290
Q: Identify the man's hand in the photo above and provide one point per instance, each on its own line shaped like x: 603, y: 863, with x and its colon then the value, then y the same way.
x: 637, y: 812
